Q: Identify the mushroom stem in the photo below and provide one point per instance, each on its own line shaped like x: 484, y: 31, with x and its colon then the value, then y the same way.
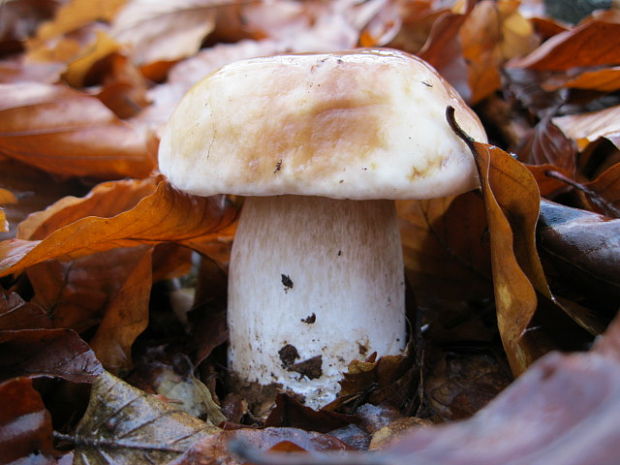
x: 314, y: 283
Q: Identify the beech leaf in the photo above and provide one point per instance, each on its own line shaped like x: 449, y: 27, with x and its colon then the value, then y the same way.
x: 125, y: 318
x: 585, y: 128
x: 67, y: 132
x: 124, y: 425
x: 164, y: 31
x: 511, y: 199
x: 164, y: 216
x: 439, y: 256
x: 25, y: 425
x: 59, y: 353
x: 592, y: 43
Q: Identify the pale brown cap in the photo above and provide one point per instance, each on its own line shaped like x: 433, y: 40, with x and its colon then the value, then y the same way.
x: 366, y: 124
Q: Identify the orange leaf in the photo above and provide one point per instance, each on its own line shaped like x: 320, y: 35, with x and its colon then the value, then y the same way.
x: 592, y: 43
x: 67, y: 132
x: 5, y: 197
x: 603, y: 80
x: 165, y: 216
x: 104, y: 200
x: 76, y: 14
x: 512, y: 204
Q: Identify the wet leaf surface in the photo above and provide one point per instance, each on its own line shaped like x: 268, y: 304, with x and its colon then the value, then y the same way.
x: 584, y: 247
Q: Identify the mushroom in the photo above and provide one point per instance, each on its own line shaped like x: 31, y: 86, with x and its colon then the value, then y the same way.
x: 320, y: 145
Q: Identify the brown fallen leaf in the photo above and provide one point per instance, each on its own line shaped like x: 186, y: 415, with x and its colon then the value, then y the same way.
x: 604, y: 191
x: 76, y: 294
x: 163, y: 31
x: 25, y: 425
x: 77, y: 71
x: 33, y: 189
x: 75, y: 14
x: 511, y: 200
x: 602, y: 80
x: 438, y: 255
x: 5, y: 197
x: 126, y: 316
x: 591, y: 43
x: 67, y: 132
x: 586, y: 128
x: 58, y: 353
x: 18, y: 69
x: 561, y: 420
x: 124, y: 425
x: 20, y: 20
x: 443, y: 50
x: 549, y: 145
x: 493, y: 33
x: 289, y: 412
x: 16, y: 313
x: 164, y: 216
x: 104, y: 200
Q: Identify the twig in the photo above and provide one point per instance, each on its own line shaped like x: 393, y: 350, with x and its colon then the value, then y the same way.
x: 78, y: 440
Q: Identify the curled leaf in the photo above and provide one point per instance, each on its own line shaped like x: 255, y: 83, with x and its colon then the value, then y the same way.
x: 164, y: 216
x: 592, y: 43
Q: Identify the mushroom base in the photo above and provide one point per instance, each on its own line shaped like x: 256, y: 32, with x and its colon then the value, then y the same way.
x: 314, y: 283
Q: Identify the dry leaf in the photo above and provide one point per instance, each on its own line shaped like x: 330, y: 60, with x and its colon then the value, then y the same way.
x: 76, y: 72
x: 15, y: 313
x: 124, y: 425
x: 33, y: 189
x: 549, y: 145
x: 58, y: 353
x: 603, y: 80
x: 126, y: 316
x: 25, y: 425
x: 104, y: 200
x: 165, y: 216
x: 445, y: 246
x: 511, y: 199
x: 492, y: 33
x: 163, y: 31
x: 592, y: 43
x: 443, y: 50
x: 604, y: 191
x: 71, y: 133
x: 585, y: 128
x: 76, y: 14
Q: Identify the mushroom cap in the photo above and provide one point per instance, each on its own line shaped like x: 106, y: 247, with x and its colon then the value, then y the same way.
x: 363, y: 124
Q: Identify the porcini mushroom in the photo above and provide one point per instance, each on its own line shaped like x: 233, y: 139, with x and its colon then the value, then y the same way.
x: 320, y: 145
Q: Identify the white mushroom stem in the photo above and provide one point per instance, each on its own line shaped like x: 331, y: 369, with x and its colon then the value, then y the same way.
x: 314, y: 284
